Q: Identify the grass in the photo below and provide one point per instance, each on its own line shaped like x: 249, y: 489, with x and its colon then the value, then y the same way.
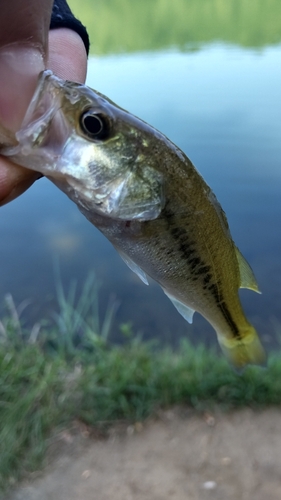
x: 67, y: 369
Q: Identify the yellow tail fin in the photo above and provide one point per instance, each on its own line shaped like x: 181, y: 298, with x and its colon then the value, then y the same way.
x: 244, y: 350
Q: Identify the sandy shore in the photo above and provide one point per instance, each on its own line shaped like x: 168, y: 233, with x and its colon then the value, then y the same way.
x: 179, y: 456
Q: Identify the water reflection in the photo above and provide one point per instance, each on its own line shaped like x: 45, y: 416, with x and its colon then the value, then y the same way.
x: 222, y: 107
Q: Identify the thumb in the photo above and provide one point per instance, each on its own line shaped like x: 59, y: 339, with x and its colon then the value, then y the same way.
x: 24, y: 28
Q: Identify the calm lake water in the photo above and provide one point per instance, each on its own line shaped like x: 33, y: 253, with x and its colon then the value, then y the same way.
x: 222, y: 105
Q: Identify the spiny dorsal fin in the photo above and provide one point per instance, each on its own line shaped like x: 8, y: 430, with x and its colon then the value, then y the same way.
x: 247, y: 277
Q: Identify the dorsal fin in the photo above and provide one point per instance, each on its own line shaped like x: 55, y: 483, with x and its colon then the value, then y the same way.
x: 247, y: 277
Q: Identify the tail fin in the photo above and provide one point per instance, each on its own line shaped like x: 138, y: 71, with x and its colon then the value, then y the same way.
x: 244, y: 350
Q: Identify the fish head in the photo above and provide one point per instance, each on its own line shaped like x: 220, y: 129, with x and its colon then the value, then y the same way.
x: 97, y: 153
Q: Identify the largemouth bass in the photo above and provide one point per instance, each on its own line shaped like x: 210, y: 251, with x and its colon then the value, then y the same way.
x: 146, y: 197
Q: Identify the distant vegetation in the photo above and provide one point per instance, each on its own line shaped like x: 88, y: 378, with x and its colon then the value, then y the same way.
x: 143, y: 25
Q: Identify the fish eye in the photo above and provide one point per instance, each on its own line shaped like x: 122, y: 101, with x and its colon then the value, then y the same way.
x: 94, y: 125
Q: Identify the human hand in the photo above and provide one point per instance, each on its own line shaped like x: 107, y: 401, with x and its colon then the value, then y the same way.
x: 26, y: 48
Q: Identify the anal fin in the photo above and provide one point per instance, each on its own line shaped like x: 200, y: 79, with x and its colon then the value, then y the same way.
x: 134, y: 267
x: 186, y: 311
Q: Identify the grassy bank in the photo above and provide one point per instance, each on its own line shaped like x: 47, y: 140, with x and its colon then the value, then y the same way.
x: 68, y: 370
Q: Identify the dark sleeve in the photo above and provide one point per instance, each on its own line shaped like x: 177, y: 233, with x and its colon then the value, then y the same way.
x: 62, y: 17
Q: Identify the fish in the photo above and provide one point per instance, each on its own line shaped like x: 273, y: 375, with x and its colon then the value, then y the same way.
x: 144, y: 194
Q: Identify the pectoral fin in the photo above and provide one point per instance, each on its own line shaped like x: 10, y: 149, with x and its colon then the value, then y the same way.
x: 247, y: 277
x: 184, y: 310
x: 134, y: 267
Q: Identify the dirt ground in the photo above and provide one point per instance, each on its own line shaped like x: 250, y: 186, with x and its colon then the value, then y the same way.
x: 180, y: 456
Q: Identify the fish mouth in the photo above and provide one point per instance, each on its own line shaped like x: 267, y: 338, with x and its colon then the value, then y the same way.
x: 41, y: 110
x: 41, y: 104
x: 43, y: 124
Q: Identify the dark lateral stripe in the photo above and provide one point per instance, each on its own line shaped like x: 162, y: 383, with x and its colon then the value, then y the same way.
x: 186, y: 250
x: 207, y: 279
x: 199, y: 268
x: 180, y: 235
x: 194, y: 262
x: 204, y: 270
x: 230, y: 321
x: 224, y: 309
x: 186, y: 247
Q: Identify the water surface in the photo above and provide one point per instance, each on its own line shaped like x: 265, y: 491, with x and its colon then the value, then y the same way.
x: 222, y: 105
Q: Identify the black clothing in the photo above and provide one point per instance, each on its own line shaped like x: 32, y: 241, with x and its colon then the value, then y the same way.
x: 62, y: 17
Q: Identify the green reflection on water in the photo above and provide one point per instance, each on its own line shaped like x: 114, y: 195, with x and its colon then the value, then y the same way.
x: 140, y: 25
